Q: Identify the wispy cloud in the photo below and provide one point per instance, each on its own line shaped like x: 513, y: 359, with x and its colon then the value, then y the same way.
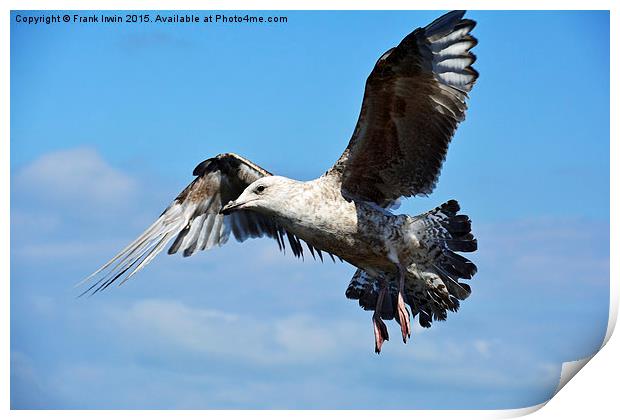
x: 70, y: 203
x: 298, y: 338
x: 547, y: 251
x: 239, y: 360
x: 483, y: 347
x: 78, y: 177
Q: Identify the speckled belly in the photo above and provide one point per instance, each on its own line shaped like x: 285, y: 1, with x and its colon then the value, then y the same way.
x: 352, y: 231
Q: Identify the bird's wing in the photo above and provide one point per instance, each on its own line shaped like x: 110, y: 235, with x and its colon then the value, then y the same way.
x: 194, y: 219
x: 414, y: 99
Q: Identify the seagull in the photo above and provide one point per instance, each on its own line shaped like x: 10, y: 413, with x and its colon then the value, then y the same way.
x: 407, y: 266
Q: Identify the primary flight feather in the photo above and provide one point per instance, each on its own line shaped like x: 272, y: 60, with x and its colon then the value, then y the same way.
x: 414, y: 99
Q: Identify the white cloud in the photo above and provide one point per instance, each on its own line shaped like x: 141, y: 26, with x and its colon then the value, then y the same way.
x: 483, y: 347
x: 77, y: 176
x: 297, y: 338
x: 545, y: 251
x: 308, y: 337
x: 72, y: 204
x: 311, y: 353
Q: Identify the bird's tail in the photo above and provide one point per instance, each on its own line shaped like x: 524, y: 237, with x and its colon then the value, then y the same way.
x: 445, y: 232
x: 450, y: 232
x: 434, y: 287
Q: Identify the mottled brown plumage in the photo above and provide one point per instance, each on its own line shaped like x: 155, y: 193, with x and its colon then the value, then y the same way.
x: 409, y: 115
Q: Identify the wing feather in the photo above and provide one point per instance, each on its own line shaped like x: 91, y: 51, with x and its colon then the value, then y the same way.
x: 194, y: 221
x: 415, y: 97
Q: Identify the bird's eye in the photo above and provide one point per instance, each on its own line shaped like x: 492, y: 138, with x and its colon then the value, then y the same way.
x: 260, y: 188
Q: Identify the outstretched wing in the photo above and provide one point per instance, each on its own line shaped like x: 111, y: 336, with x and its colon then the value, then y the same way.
x: 194, y: 219
x: 414, y: 99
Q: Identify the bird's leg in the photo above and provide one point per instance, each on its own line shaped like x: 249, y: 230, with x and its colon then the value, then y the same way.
x: 403, y: 312
x: 381, y: 332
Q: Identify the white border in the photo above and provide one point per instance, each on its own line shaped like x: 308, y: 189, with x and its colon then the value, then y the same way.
x: 592, y: 394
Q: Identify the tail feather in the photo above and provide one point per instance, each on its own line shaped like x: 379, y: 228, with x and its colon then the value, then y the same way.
x: 452, y: 232
x: 465, y: 244
x: 458, y: 225
x: 460, y: 290
x: 433, y: 290
x: 457, y: 265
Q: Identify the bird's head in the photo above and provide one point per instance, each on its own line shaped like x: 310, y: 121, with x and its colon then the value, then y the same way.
x: 265, y: 195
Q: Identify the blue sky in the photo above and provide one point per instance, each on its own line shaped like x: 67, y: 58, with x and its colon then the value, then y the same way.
x: 108, y: 121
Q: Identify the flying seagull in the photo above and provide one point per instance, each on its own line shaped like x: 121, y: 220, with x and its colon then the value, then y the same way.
x: 406, y: 265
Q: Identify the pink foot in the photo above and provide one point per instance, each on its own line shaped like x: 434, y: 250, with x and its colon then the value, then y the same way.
x: 381, y: 332
x: 404, y: 318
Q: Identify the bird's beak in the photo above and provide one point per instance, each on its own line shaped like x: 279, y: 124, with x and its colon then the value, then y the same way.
x: 232, y: 206
x: 229, y: 208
